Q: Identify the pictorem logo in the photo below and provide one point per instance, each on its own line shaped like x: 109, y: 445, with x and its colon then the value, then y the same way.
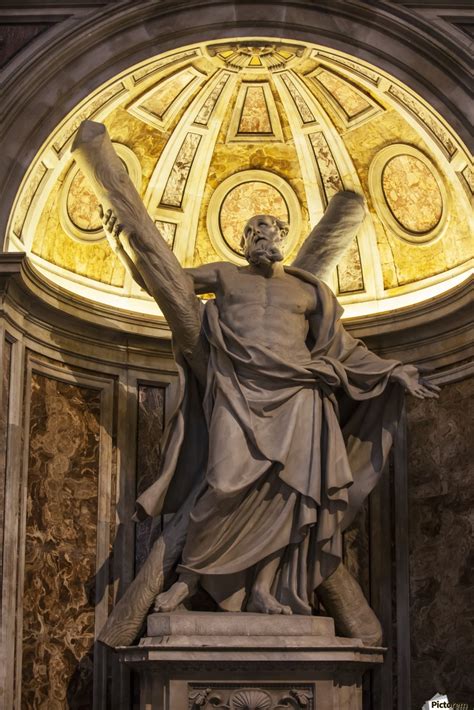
x: 441, y: 702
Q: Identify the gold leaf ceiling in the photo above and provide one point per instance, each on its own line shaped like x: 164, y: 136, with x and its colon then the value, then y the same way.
x: 212, y: 133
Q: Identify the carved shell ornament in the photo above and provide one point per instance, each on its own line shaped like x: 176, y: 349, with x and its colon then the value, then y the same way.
x: 250, y: 699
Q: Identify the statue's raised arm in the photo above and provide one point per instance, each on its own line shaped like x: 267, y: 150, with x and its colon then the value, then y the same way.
x: 137, y: 241
x: 322, y: 250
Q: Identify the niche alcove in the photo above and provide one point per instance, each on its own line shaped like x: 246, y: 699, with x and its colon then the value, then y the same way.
x: 216, y: 116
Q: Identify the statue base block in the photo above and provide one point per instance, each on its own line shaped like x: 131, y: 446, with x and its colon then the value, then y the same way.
x: 204, y: 660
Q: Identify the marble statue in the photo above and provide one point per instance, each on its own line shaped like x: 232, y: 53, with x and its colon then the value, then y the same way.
x: 282, y: 425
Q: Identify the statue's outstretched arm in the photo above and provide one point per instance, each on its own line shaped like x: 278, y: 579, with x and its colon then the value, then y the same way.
x: 323, y: 248
x: 146, y: 254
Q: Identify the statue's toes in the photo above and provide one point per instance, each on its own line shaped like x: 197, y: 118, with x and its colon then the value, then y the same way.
x: 278, y: 609
x: 162, y: 604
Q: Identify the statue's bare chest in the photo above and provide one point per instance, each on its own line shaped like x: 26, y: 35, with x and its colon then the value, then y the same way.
x: 284, y: 291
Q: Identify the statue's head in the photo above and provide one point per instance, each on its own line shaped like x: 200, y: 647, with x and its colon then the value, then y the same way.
x: 262, y: 239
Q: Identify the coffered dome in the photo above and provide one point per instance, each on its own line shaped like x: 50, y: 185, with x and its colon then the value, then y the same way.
x: 214, y: 133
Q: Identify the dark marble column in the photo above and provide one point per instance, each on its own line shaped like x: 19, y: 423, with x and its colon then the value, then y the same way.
x: 4, y: 406
x: 356, y: 548
x: 151, y: 407
x: 61, y: 539
x: 441, y: 501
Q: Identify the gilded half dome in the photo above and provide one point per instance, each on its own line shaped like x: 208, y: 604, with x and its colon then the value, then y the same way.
x: 212, y: 133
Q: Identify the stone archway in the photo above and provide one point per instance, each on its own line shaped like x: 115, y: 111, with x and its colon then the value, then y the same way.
x: 76, y: 57
x: 70, y: 61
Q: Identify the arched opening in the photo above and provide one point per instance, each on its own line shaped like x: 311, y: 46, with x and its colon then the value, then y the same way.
x: 203, y: 127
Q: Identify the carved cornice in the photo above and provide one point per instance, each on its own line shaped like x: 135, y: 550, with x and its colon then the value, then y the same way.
x: 437, y: 332
x: 51, y: 320
x: 76, y: 56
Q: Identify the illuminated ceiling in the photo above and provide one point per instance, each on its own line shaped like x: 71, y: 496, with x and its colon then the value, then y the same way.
x: 214, y: 133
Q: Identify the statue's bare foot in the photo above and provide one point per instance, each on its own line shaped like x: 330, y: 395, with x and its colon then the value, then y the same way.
x: 173, y: 597
x: 263, y: 602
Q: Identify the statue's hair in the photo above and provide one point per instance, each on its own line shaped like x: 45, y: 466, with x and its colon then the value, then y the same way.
x: 249, y: 230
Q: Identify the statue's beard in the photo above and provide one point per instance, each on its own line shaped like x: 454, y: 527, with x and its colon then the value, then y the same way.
x: 264, y: 255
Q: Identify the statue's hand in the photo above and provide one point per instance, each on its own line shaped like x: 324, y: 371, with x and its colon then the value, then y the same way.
x: 410, y: 378
x: 112, y: 230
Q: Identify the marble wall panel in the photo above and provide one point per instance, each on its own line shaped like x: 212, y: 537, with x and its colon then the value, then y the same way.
x: 432, y: 124
x: 441, y: 501
x: 412, y: 193
x: 205, y: 113
x: 96, y: 261
x: 304, y: 110
x: 351, y: 101
x: 61, y: 539
x: 4, y: 402
x: 167, y: 231
x: 82, y: 204
x: 402, y: 262
x: 151, y: 412
x: 349, y: 270
x: 355, y: 66
x: 176, y: 183
x: 330, y: 177
x: 255, y: 117
x: 468, y: 177
x: 356, y: 553
x: 167, y: 93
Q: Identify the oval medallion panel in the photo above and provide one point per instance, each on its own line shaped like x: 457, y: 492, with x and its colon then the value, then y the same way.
x: 242, y: 196
x: 408, y: 193
x: 79, y: 208
x: 412, y: 194
x: 243, y: 202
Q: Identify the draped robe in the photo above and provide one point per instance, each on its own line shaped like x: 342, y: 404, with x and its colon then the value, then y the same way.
x: 286, y: 454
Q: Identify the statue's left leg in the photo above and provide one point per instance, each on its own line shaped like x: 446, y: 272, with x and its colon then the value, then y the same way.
x: 177, y: 593
x: 344, y: 600
x: 261, y: 600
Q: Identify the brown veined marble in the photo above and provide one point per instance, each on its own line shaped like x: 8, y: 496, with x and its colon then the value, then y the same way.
x: 327, y: 167
x: 60, y: 545
x: 441, y: 501
x: 349, y: 99
x: 176, y: 183
x: 82, y: 204
x: 349, y: 270
x: 412, y: 193
x: 4, y: 408
x: 255, y: 117
x: 402, y: 262
x: 206, y: 111
x: 356, y: 548
x: 151, y: 412
x: 303, y: 109
x: 95, y: 261
x: 167, y: 231
x: 163, y: 98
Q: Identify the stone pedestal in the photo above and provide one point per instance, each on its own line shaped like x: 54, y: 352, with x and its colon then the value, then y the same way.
x: 204, y: 660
